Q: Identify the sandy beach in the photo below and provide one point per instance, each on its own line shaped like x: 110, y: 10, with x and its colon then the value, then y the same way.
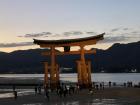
x: 116, y: 95
x: 108, y: 96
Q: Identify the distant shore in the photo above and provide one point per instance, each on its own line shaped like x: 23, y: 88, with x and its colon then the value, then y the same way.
x: 61, y: 72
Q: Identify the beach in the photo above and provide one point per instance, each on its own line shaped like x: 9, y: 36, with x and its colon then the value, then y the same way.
x: 108, y: 96
x: 25, y: 86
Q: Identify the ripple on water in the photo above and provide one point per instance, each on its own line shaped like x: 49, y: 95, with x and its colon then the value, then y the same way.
x: 33, y: 104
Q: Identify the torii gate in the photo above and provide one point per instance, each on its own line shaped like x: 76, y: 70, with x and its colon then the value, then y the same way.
x: 83, y: 66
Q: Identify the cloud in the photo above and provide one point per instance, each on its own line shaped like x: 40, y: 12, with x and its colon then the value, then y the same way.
x: 125, y: 29
x: 91, y: 33
x: 120, y: 29
x: 122, y: 37
x: 114, y: 39
x: 115, y: 29
x: 3, y: 45
x: 64, y: 34
x: 33, y: 35
x: 72, y: 33
x: 135, y: 32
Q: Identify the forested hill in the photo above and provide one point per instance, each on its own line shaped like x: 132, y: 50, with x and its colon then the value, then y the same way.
x: 118, y: 58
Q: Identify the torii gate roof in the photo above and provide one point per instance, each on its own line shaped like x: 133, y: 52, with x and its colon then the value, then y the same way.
x: 70, y: 42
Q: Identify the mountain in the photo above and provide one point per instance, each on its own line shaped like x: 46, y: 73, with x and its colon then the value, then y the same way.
x: 118, y: 58
x: 22, y: 61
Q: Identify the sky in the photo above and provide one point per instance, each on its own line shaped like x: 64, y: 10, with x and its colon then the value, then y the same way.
x: 23, y: 20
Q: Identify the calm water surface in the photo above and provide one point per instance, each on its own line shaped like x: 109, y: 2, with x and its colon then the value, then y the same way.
x: 96, y: 77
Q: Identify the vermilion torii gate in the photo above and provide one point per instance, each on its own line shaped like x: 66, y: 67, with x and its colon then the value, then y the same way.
x: 83, y: 66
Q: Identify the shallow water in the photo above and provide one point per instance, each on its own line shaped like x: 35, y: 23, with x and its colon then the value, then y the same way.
x: 95, y: 102
x: 96, y: 77
x: 91, y: 101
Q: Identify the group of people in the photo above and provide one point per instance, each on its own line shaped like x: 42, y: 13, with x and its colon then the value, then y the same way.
x: 64, y: 90
x: 98, y: 86
x: 14, y: 92
x: 125, y: 84
x: 38, y: 89
x: 128, y: 84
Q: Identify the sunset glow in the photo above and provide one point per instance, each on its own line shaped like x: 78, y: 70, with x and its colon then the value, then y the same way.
x: 21, y: 21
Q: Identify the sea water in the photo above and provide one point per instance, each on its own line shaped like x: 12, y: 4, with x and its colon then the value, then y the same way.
x: 72, y: 77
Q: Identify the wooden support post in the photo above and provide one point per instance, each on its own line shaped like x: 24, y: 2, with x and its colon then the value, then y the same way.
x: 46, y: 74
x: 52, y: 69
x: 79, y: 75
x: 57, y: 74
x: 89, y: 72
x: 83, y: 68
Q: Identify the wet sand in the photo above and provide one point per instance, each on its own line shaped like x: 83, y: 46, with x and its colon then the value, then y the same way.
x: 108, y: 96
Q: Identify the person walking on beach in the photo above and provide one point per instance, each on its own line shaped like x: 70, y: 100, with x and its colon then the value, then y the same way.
x: 39, y: 89
x: 103, y: 85
x: 47, y: 93
x: 14, y: 87
x: 60, y: 92
x: 35, y: 89
x: 65, y: 91
x: 15, y: 94
x: 97, y: 88
x: 109, y: 83
x: 72, y: 88
x: 77, y: 89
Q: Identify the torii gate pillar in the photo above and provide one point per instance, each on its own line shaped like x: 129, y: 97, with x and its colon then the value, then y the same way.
x: 84, y: 70
x: 54, y: 71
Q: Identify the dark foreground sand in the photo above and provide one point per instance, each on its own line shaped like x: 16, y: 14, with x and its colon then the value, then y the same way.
x: 108, y: 96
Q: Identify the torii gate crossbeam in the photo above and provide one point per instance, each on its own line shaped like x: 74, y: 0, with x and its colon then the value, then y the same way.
x: 84, y: 69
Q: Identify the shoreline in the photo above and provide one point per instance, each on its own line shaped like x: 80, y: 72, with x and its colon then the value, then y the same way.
x: 108, y: 95
x: 117, y: 94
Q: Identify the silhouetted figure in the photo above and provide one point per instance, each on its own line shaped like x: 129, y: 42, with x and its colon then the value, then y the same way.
x: 65, y: 91
x: 100, y: 86
x: 129, y: 84
x: 77, y: 88
x: 103, y: 85
x: 72, y: 88
x: 15, y: 94
x: 97, y: 87
x: 60, y: 92
x: 58, y: 89
x: 109, y: 83
x: 39, y: 89
x: 14, y: 87
x: 91, y: 91
x: 139, y: 84
x: 124, y: 84
x: 114, y: 83
x: 93, y: 85
x: 35, y: 89
x: 47, y: 93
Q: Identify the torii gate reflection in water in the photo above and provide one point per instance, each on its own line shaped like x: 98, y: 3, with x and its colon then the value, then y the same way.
x: 83, y: 66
